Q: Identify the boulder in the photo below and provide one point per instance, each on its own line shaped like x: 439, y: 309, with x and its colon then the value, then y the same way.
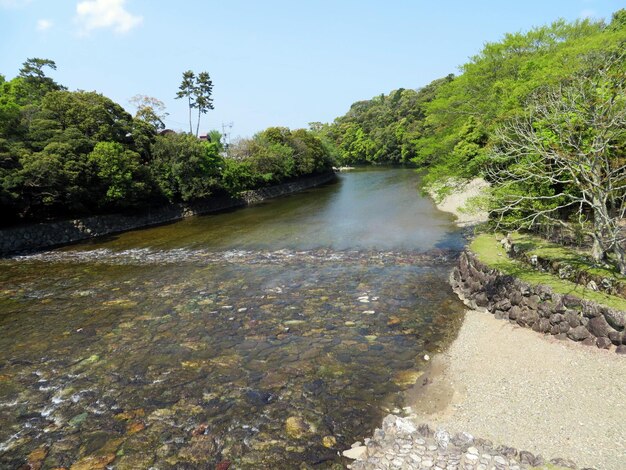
x: 516, y: 298
x: 500, y: 315
x: 543, y: 325
x: 556, y: 318
x: 591, y: 341
x: 571, y: 301
x: 504, y: 304
x: 579, y: 333
x: 599, y: 327
x: 564, y: 327
x: 615, y: 337
x: 532, y: 302
x: 515, y: 312
x: 591, y: 310
x: 481, y: 299
x: 603, y: 343
x: 527, y: 317
x: 615, y: 318
x: 573, y: 318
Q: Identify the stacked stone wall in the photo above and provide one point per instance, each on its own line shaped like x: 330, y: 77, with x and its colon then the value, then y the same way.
x: 537, y: 306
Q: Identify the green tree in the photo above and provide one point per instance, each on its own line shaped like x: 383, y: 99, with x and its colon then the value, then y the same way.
x: 566, y: 153
x: 120, y: 173
x: 185, y: 168
x: 198, y: 90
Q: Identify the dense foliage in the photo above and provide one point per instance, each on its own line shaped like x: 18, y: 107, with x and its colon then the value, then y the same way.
x: 67, y: 153
x: 448, y: 126
x: 384, y: 129
x: 541, y: 115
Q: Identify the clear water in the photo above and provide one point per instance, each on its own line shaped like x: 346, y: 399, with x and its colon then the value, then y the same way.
x: 194, y: 343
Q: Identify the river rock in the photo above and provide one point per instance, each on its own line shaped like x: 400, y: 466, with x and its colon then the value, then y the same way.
x: 296, y: 427
x: 356, y: 453
x: 579, y: 333
x: 615, y: 318
x: 598, y: 326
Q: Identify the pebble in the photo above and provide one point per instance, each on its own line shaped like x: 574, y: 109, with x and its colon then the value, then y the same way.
x: 409, y: 447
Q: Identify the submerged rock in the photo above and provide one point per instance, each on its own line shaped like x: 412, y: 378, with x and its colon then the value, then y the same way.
x: 296, y: 427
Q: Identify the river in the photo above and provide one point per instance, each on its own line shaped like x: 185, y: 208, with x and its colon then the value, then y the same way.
x: 272, y: 336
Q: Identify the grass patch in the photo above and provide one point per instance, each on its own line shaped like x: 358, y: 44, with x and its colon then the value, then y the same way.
x: 490, y: 252
x: 578, y: 259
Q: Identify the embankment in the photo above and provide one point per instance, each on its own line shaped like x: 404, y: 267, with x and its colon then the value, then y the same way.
x: 40, y: 236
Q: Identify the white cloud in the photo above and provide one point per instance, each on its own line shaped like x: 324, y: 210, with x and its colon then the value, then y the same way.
x: 94, y: 14
x: 44, y: 25
x: 13, y: 3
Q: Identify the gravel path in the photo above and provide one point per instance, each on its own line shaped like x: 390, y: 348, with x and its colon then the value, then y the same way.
x: 515, y: 387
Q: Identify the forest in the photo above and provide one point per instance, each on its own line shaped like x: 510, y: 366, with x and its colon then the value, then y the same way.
x: 72, y: 153
x: 540, y: 115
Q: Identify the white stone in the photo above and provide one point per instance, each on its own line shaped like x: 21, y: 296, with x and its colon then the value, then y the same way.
x: 500, y: 460
x: 473, y: 450
x: 356, y: 453
x: 405, y: 425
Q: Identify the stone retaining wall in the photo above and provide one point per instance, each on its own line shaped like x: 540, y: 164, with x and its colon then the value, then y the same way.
x: 50, y: 234
x: 537, y: 307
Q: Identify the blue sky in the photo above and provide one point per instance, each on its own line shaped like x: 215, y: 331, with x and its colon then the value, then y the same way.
x: 273, y: 62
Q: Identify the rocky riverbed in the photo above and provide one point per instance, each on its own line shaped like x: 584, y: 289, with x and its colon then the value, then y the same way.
x: 193, y: 358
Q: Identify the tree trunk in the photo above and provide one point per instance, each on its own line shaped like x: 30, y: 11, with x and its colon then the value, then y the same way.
x: 190, y: 126
x: 597, y: 251
x: 620, y: 257
x: 198, y: 125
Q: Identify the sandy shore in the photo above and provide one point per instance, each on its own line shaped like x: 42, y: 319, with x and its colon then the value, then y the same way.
x: 457, y: 202
x: 518, y: 388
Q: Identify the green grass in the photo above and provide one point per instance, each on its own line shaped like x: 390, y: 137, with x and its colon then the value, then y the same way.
x: 490, y: 252
x: 578, y: 259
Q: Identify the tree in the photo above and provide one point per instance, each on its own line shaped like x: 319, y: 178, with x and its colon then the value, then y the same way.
x: 35, y: 83
x: 120, y: 173
x: 150, y: 110
x: 185, y: 168
x: 567, y: 154
x: 203, y: 91
x: 197, y: 90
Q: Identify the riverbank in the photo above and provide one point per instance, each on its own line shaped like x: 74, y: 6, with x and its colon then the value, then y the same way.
x: 462, y: 201
x: 510, y: 386
x: 45, y: 235
x: 513, y: 386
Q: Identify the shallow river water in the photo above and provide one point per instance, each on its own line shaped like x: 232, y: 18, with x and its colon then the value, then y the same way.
x: 269, y: 337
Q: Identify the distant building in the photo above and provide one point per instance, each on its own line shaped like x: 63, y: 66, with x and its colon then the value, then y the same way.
x: 203, y: 137
x: 166, y: 132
